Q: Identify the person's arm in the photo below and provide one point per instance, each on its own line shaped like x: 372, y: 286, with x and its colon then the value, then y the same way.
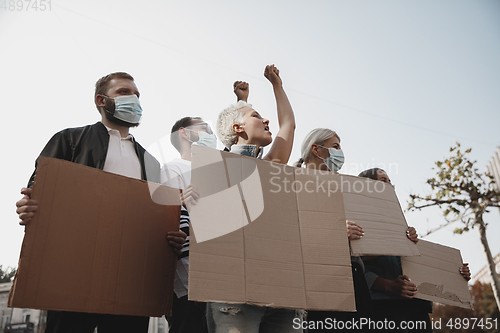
x: 354, y: 231
x: 465, y: 271
x: 26, y: 207
x: 189, y: 197
x: 282, y: 146
x: 172, y: 177
x: 241, y: 89
x: 379, y: 275
x: 412, y: 235
x: 401, y: 286
x: 176, y: 240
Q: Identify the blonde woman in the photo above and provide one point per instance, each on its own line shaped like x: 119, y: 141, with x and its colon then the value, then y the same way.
x: 321, y: 150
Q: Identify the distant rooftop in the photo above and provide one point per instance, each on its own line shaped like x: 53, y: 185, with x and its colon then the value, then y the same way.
x: 5, y: 287
x: 483, y: 274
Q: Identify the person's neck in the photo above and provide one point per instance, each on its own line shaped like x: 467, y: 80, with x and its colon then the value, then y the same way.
x: 186, y: 155
x: 316, y: 164
x: 124, y: 131
x: 247, y: 142
x: 185, y: 150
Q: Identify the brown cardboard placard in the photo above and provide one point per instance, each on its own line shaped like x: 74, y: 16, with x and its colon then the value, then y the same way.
x: 375, y: 207
x: 258, y: 236
x: 436, y: 274
x: 97, y: 244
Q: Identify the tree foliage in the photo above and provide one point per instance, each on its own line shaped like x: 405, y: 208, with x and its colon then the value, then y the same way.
x: 484, y: 301
x: 7, y: 275
x: 464, y: 194
x: 460, y: 190
x: 484, y: 305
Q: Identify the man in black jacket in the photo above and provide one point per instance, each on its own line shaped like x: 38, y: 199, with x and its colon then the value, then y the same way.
x: 105, y: 145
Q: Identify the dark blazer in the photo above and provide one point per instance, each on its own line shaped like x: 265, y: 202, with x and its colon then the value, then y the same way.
x: 88, y: 145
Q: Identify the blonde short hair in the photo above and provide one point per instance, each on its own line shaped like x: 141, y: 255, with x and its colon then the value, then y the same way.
x: 227, y: 118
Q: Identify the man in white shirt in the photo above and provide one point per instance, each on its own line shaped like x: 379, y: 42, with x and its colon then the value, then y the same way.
x: 105, y: 145
x: 187, y: 316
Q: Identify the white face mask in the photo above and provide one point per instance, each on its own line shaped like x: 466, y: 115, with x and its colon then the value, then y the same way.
x: 205, y: 139
x: 127, y: 108
x: 336, y: 159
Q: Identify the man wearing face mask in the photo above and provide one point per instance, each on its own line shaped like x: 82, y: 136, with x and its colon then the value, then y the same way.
x: 187, y: 316
x: 105, y: 145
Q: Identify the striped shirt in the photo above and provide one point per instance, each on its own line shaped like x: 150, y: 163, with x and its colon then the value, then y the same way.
x: 177, y: 174
x: 184, y: 226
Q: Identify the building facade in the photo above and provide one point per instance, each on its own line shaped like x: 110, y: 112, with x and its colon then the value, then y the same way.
x: 14, y: 320
x: 484, y: 274
x: 493, y: 168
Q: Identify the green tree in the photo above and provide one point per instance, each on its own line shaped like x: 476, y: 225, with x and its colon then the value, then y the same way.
x: 7, y: 274
x: 484, y: 302
x: 447, y: 316
x: 464, y: 194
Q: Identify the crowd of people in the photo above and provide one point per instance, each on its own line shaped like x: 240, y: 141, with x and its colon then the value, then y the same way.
x: 381, y: 290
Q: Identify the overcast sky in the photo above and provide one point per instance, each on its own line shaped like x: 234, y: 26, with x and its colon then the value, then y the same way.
x: 400, y: 81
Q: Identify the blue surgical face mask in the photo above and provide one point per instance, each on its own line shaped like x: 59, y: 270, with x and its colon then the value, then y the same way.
x: 127, y: 108
x: 205, y: 139
x: 336, y: 159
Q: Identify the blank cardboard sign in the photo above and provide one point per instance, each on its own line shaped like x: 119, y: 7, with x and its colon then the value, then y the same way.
x: 257, y: 239
x: 96, y: 244
x: 375, y: 207
x: 435, y: 272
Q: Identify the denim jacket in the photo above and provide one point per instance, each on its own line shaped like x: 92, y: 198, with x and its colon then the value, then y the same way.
x: 248, y: 150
